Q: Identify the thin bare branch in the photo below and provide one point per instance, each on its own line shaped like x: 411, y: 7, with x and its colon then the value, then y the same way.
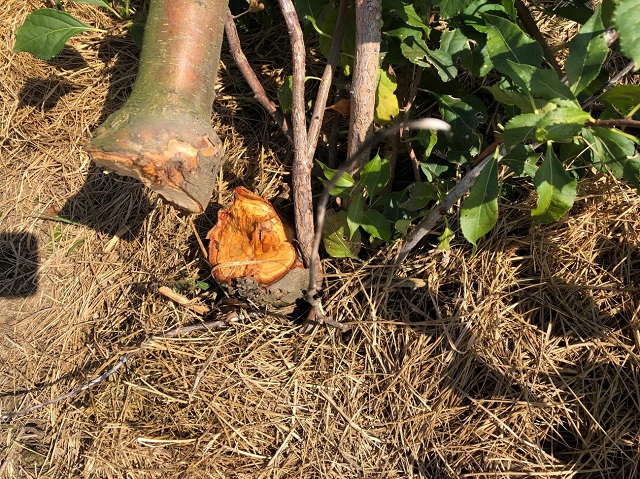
x: 302, y: 165
x: 462, y: 187
x: 251, y: 78
x: 208, y: 326
x: 615, y: 123
x: 532, y: 29
x: 325, y: 84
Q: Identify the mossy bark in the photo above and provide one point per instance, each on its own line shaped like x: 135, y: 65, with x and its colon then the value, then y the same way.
x: 162, y: 135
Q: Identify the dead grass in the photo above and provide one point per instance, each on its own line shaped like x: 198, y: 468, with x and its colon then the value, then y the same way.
x: 519, y: 361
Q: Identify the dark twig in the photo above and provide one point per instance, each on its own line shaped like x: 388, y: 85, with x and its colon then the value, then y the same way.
x: 250, y: 76
x: 302, y: 165
x: 611, y: 83
x: 614, y: 123
x: 462, y: 187
x: 325, y: 84
x: 208, y: 326
x: 413, y: 92
x: 422, y: 124
x: 532, y: 29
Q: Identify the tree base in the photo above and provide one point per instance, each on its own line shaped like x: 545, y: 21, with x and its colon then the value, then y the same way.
x: 175, y: 154
x: 283, y: 292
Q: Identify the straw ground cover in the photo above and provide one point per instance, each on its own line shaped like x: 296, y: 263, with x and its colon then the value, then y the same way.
x: 518, y: 361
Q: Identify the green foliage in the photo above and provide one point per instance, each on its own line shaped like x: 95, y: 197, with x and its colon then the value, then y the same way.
x: 556, y: 190
x: 387, y: 108
x: 626, y: 18
x: 479, y: 213
x: 587, y: 52
x: 336, y: 239
x: 534, y: 105
x: 370, y: 210
x: 45, y: 32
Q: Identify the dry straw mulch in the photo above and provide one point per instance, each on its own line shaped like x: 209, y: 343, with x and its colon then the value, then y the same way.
x: 518, y: 361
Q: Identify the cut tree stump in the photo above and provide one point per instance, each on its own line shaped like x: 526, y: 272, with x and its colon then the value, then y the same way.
x: 252, y: 255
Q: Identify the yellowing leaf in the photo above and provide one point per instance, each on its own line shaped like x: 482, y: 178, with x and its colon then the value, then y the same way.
x: 386, y: 101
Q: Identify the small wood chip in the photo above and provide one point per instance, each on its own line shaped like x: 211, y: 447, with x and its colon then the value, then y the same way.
x: 183, y: 300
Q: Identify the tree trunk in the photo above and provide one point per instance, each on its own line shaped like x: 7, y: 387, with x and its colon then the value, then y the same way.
x: 163, y: 135
x: 365, y: 76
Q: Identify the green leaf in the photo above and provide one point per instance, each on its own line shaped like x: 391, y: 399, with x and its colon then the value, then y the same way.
x: 520, y: 129
x: 375, y: 175
x: 626, y: 18
x: 445, y: 238
x: 98, y: 3
x: 387, y: 108
x: 390, y: 203
x: 587, y: 53
x: 472, y: 15
x: 464, y: 115
x: 453, y: 45
x: 403, y: 33
x: 505, y: 41
x: 556, y: 190
x: 450, y: 8
x: 345, y: 185
x: 614, y: 154
x: 445, y: 64
x: 335, y: 238
x: 546, y: 84
x: 420, y: 195
x: 374, y: 223
x: 453, y: 42
x: 522, y: 160
x: 476, y: 59
x: 405, y: 12
x: 416, y: 51
x: 410, y: 16
x: 521, y: 74
x: 355, y: 214
x: 510, y: 97
x: 137, y: 34
x: 402, y: 226
x: 624, y: 98
x: 310, y: 8
x: 345, y: 59
x: 561, y: 124
x: 435, y: 167
x: 479, y: 213
x: 45, y: 31
x: 285, y: 94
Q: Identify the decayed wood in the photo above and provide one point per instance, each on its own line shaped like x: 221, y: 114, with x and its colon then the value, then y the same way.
x: 251, y: 252
x: 163, y: 134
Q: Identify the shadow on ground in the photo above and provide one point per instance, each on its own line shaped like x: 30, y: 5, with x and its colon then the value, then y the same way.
x: 560, y: 380
x: 19, y: 260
